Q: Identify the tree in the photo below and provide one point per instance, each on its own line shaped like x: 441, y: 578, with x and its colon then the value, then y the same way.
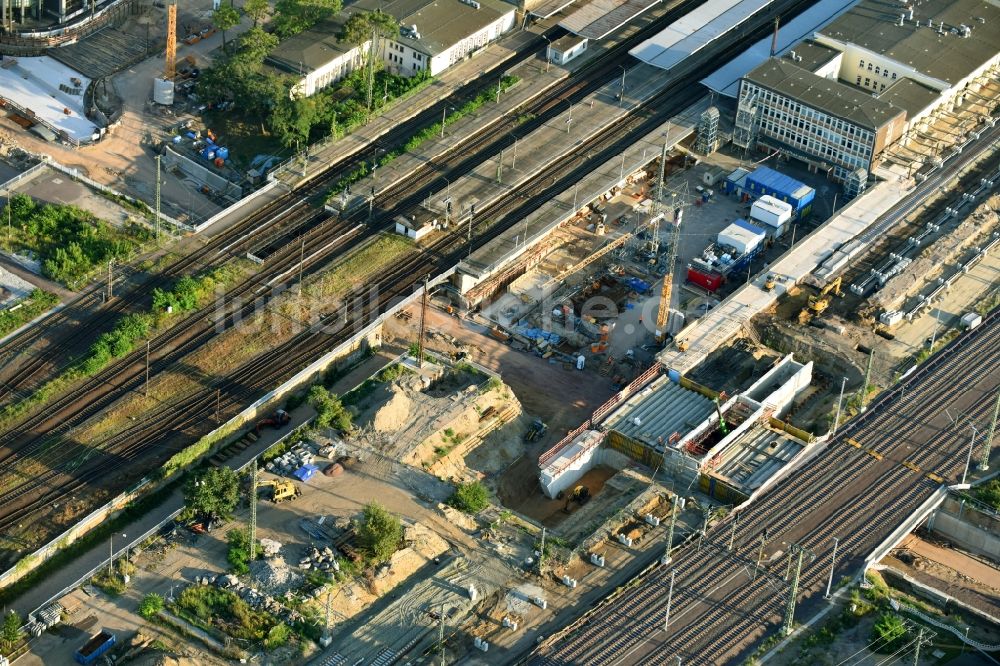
x: 150, y: 605
x: 470, y: 497
x: 256, y: 10
x: 10, y: 632
x: 379, y: 532
x: 375, y: 28
x: 255, y: 44
x: 888, y: 632
x: 294, y: 16
x: 215, y: 492
x: 224, y: 18
x: 293, y: 119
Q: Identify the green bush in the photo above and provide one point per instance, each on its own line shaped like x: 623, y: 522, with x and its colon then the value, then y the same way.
x: 210, y: 607
x: 214, y: 492
x: 239, y: 555
x: 277, y: 636
x: 888, y: 633
x: 379, y: 532
x: 470, y: 497
x: 150, y: 605
x: 989, y: 493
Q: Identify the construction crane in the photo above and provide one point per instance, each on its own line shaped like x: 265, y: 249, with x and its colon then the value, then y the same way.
x: 170, y: 60
x: 663, y: 313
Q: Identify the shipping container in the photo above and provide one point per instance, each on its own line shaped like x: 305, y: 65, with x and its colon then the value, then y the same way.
x: 772, y: 213
x: 765, y: 180
x: 742, y: 236
x: 710, y: 280
x: 93, y: 649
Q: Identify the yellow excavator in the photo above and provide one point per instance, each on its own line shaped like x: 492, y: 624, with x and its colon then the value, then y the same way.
x: 282, y: 490
x: 819, y: 303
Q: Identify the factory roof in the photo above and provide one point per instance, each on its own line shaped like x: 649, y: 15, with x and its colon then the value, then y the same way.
x: 599, y: 18
x: 938, y: 52
x: 831, y: 97
x: 726, y: 79
x: 34, y: 84
x: 909, y: 95
x: 695, y: 30
x: 659, y: 411
x: 440, y: 24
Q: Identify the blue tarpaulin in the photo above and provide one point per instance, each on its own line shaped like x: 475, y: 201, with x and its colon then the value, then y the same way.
x: 305, y: 472
x: 637, y: 285
x: 537, y: 334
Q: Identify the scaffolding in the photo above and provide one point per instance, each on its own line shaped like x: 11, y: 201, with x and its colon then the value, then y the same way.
x: 747, y: 121
x: 708, y: 132
x: 855, y: 183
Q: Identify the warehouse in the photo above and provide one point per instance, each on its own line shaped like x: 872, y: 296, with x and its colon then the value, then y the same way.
x: 838, y: 100
x: 433, y: 36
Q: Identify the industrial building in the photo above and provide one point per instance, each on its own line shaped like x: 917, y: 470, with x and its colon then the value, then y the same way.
x: 837, y: 101
x: 731, y: 445
x: 433, y: 36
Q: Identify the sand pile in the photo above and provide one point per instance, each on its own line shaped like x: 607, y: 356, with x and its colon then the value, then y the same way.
x: 394, y: 414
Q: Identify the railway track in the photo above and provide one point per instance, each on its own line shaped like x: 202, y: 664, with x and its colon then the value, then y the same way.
x: 708, y: 627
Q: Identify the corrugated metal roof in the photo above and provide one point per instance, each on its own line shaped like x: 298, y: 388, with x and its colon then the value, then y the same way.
x: 752, y: 228
x: 550, y: 8
x: 779, y: 182
x: 726, y: 79
x: 600, y: 18
x: 662, y: 409
x: 695, y: 30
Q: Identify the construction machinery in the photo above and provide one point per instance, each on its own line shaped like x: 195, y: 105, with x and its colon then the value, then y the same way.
x: 818, y: 304
x: 769, y: 282
x: 282, y: 490
x: 580, y: 495
x: 535, y: 431
x: 280, y: 419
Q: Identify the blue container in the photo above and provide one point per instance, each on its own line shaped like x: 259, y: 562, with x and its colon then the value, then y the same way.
x: 208, y: 154
x: 704, y: 196
x: 191, y: 135
x: 177, y: 139
x: 222, y: 152
x: 209, y: 141
x: 674, y: 376
x: 768, y: 181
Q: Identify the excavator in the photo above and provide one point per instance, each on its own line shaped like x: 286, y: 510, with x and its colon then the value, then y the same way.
x: 281, y: 418
x: 580, y: 495
x: 282, y: 490
x: 819, y: 303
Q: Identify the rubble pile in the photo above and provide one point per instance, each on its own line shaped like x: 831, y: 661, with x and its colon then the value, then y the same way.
x: 275, y: 575
x: 323, y: 560
x: 254, y: 597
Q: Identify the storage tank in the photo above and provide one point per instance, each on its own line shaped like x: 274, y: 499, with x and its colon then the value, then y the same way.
x: 163, y: 91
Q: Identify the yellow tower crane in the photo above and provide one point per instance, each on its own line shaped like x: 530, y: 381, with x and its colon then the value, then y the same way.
x: 663, y: 313
x: 170, y: 61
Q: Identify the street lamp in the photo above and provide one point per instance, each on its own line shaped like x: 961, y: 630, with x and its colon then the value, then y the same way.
x: 444, y: 116
x: 548, y: 52
x: 968, y: 459
x: 621, y: 95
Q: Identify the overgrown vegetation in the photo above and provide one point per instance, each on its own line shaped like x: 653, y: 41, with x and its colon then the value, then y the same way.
x: 211, y: 608
x: 239, y: 555
x: 470, y: 497
x: 10, y: 630
x: 330, y: 411
x: 70, y: 243
x: 888, y: 633
x: 26, y: 309
x: 379, y: 533
x: 989, y: 494
x: 190, y: 293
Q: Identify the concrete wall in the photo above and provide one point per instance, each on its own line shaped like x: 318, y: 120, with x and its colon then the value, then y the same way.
x: 202, y: 174
x: 963, y: 533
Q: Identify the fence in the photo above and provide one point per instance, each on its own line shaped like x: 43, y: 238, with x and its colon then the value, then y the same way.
x: 599, y: 413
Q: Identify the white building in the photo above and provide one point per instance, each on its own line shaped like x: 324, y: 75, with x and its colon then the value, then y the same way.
x: 433, y: 36
x: 838, y: 100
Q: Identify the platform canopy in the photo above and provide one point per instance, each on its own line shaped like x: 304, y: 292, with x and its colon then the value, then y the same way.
x: 550, y: 8
x: 726, y: 79
x: 599, y: 18
x: 695, y: 30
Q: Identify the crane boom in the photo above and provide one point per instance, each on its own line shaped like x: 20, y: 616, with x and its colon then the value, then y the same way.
x: 170, y: 59
x: 663, y: 313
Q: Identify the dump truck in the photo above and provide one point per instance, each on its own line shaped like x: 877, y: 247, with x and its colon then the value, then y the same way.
x: 280, y: 419
x: 282, y: 490
x: 93, y: 649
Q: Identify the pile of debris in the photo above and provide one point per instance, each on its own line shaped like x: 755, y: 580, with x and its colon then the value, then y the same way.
x: 324, y: 560
x: 297, y: 457
x: 275, y: 575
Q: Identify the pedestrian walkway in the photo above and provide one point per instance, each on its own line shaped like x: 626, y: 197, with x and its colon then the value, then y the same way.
x: 56, y: 585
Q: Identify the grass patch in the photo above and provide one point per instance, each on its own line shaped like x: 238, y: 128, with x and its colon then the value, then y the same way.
x: 26, y: 309
x: 355, y: 270
x: 217, y: 610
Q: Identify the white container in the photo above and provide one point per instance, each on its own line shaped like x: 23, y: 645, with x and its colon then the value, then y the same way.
x: 773, y: 213
x: 971, y: 320
x: 741, y: 236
